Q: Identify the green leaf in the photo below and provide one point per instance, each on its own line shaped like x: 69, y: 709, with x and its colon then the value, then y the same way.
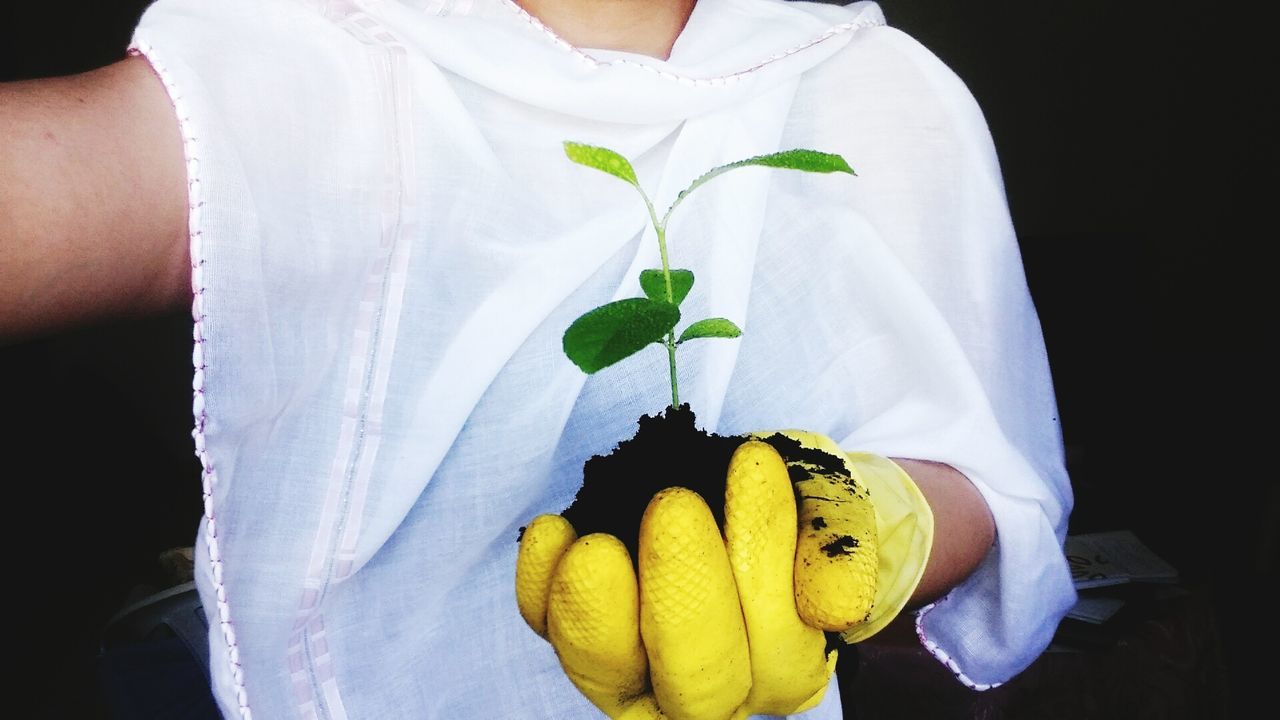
x: 617, y: 331
x: 711, y: 327
x: 602, y: 159
x: 798, y: 159
x: 655, y: 285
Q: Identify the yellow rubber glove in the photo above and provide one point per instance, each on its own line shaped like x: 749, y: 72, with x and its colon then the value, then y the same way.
x: 730, y: 626
x: 904, y: 536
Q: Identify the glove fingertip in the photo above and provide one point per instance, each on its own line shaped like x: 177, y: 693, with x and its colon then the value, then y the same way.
x: 542, y: 544
x: 593, y: 622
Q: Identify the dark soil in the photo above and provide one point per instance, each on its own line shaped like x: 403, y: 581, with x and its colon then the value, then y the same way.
x: 667, y: 450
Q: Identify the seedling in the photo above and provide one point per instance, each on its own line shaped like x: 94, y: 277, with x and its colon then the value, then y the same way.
x: 617, y: 330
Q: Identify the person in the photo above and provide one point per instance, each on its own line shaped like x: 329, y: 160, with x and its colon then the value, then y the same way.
x: 367, y: 206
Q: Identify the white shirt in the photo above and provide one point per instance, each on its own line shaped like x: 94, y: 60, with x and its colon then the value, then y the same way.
x: 388, y: 243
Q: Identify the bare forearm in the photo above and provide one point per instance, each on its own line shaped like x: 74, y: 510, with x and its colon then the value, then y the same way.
x: 963, y: 527
x: 92, y: 200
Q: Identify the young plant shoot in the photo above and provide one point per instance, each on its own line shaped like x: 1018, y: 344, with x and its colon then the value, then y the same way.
x: 620, y: 329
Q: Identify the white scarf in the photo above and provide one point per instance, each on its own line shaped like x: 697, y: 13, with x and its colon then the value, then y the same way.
x: 388, y: 243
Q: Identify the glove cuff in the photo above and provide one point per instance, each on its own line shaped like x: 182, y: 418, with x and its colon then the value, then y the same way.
x: 904, y: 526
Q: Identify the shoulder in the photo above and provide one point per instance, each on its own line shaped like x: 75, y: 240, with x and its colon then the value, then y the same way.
x: 886, y: 95
x: 885, y: 69
x: 239, y: 33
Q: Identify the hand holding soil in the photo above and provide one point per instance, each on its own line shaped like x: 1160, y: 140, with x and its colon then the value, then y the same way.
x: 713, y: 625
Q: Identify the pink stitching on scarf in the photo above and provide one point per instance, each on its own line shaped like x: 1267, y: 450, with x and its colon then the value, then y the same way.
x: 339, y: 524
x: 209, y: 477
x: 942, y: 655
x: 684, y: 79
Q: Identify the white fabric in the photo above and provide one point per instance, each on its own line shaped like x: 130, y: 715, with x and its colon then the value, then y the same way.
x: 388, y: 243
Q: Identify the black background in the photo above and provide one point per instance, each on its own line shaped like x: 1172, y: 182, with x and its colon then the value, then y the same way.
x: 1137, y: 148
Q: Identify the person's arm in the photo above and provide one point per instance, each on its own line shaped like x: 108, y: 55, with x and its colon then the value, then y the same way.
x: 93, y: 201
x: 963, y: 528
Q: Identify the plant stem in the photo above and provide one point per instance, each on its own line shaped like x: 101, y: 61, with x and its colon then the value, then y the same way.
x: 660, y: 227
x: 671, y: 298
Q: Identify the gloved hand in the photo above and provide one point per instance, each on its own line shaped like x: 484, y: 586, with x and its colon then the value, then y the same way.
x: 731, y: 626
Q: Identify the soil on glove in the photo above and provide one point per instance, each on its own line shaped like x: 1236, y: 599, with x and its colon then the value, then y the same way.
x: 667, y: 450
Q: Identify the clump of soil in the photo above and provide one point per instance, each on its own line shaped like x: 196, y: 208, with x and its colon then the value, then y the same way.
x: 667, y: 450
